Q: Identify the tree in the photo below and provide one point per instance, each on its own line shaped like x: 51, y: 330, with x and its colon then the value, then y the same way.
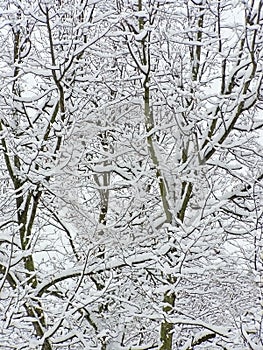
x: 131, y: 173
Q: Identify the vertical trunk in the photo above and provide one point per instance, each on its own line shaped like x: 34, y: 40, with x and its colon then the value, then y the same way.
x: 26, y: 208
x: 149, y: 125
x: 166, y: 335
x: 166, y: 332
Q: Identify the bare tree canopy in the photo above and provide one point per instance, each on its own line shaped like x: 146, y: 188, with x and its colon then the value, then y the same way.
x: 131, y: 174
